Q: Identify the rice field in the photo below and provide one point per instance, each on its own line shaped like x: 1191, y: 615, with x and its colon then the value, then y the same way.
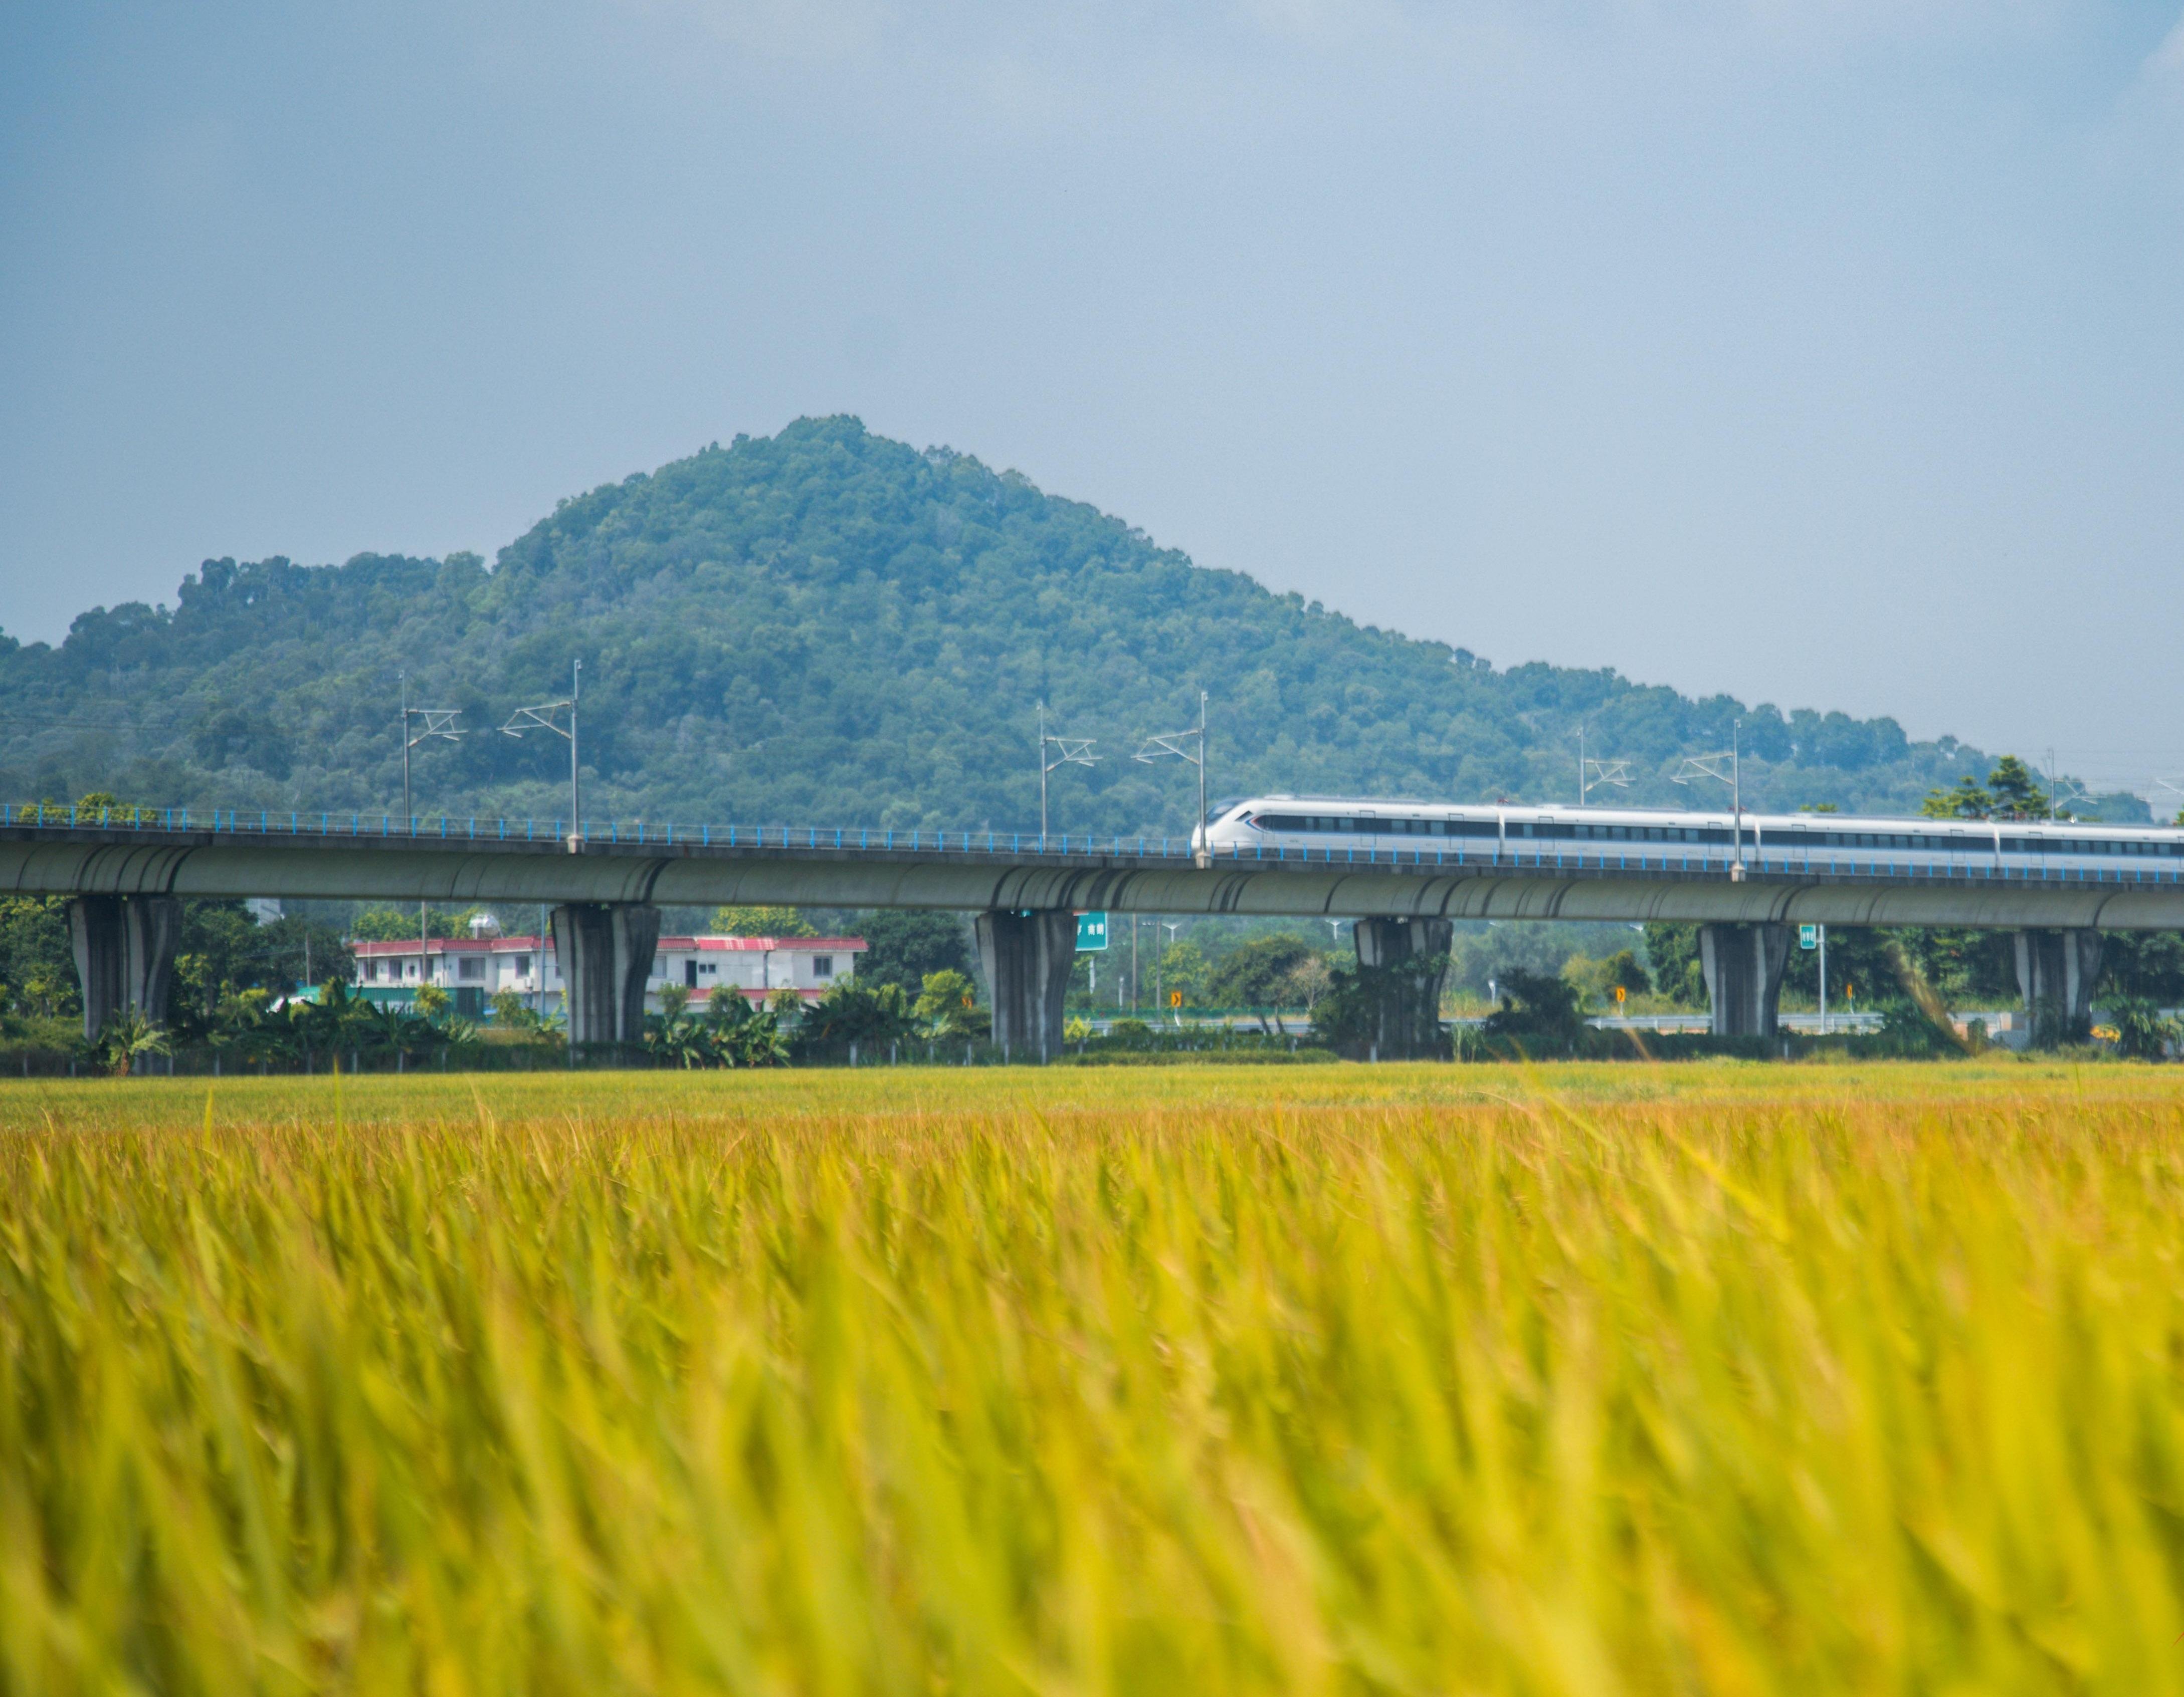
x: 1705, y: 1378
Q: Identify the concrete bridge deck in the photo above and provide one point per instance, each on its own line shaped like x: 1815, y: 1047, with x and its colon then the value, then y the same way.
x: 124, y: 872
x: 63, y: 851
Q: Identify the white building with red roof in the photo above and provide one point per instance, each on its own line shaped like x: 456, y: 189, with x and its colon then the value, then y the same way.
x: 474, y: 969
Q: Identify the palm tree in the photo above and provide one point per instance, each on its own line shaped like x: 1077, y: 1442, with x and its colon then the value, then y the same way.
x: 123, y: 1039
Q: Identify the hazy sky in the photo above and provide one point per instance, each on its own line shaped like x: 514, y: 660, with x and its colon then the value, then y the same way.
x: 1830, y: 354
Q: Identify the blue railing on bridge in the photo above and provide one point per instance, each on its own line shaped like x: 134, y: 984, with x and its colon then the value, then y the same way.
x: 1015, y: 845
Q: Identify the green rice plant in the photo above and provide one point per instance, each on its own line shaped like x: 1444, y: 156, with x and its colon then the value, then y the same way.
x: 1712, y: 1378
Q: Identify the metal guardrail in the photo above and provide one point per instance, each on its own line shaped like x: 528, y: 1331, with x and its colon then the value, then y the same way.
x: 1699, y: 1020
x: 264, y: 822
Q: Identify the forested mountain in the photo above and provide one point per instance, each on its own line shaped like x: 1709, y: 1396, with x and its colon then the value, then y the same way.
x: 827, y: 626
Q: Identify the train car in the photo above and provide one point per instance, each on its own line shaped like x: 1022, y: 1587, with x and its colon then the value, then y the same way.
x: 1322, y: 827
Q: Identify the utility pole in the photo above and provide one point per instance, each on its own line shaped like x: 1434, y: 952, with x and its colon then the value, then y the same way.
x: 1697, y: 767
x: 1171, y: 745
x: 1591, y: 772
x: 1736, y: 788
x: 1208, y: 858
x: 1070, y: 751
x: 439, y: 721
x: 1823, y: 980
x: 541, y: 718
x: 1172, y: 926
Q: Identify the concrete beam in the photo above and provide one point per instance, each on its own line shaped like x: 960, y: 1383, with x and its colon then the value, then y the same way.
x: 2056, y: 972
x: 603, y: 952
x: 1743, y: 966
x: 200, y: 864
x: 1027, y: 957
x: 125, y: 956
x: 1407, y: 961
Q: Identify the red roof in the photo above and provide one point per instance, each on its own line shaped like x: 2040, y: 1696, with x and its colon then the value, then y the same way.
x: 515, y: 945
x: 807, y: 945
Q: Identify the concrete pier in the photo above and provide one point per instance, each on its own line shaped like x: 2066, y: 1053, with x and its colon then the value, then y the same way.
x: 1743, y: 966
x: 603, y: 952
x: 2056, y: 970
x: 1405, y: 961
x: 1026, y: 958
x: 125, y: 956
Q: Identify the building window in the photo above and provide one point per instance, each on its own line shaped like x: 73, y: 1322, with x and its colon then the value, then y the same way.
x: 523, y: 966
x: 470, y: 969
x: 823, y: 965
x: 708, y: 969
x: 409, y: 969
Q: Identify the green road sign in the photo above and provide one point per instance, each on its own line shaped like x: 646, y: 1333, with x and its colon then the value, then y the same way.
x: 1091, y: 933
x: 1808, y: 936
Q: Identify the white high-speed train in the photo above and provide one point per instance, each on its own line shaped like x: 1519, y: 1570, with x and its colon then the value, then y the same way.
x: 1317, y: 827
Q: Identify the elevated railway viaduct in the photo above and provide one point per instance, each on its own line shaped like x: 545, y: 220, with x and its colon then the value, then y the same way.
x: 125, y: 872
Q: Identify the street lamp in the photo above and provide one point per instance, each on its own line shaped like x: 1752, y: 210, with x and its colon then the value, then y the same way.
x: 541, y: 718
x: 1161, y: 747
x: 1069, y: 751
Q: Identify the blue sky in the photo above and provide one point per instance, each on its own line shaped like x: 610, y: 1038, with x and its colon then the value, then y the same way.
x: 1826, y: 353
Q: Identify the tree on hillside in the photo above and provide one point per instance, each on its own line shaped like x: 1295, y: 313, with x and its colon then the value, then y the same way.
x: 2018, y: 792
x: 828, y: 627
x: 2011, y: 792
x: 1970, y: 799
